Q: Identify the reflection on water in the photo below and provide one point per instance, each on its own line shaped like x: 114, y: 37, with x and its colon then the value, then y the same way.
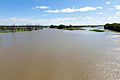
x: 52, y: 54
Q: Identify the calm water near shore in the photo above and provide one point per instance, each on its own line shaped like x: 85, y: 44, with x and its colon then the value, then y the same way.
x: 52, y: 54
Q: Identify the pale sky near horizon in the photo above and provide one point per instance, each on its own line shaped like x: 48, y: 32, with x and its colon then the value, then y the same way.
x: 47, y: 12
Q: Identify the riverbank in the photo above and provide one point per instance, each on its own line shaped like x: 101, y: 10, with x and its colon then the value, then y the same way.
x: 8, y: 31
x: 73, y: 28
x: 15, y: 28
x: 97, y: 30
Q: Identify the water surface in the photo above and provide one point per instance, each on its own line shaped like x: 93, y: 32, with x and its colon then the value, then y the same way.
x: 52, y: 54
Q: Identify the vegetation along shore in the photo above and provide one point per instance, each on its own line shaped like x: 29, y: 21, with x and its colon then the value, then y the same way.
x: 7, y: 29
x: 64, y: 27
x: 114, y: 26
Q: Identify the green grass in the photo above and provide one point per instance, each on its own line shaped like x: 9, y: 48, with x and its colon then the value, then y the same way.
x: 8, y: 31
x: 35, y: 29
x: 73, y: 28
x: 97, y: 30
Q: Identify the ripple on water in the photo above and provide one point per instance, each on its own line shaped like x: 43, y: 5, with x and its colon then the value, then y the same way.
x: 60, y: 55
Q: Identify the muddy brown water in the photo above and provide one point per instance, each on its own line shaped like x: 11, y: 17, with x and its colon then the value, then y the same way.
x: 52, y: 54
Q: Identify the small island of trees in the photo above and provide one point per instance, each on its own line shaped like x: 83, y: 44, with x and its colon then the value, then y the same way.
x: 65, y: 27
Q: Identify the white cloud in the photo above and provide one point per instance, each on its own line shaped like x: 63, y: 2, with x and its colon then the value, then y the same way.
x: 100, y: 13
x: 52, y: 11
x: 42, y: 7
x: 88, y: 18
x: 44, y: 15
x: 117, y: 6
x: 99, y: 7
x: 69, y: 10
x: 86, y: 9
x: 108, y: 2
x: 109, y: 18
x: 83, y: 20
x: 115, y: 17
x: 24, y: 21
x: 14, y: 20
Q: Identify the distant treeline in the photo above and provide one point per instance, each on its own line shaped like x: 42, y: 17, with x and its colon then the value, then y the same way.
x: 60, y: 26
x: 65, y: 27
x: 114, y: 26
x: 69, y: 26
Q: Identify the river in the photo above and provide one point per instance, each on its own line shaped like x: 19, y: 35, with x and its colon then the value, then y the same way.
x: 52, y: 54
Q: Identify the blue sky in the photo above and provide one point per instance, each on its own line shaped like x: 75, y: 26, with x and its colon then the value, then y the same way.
x: 47, y: 12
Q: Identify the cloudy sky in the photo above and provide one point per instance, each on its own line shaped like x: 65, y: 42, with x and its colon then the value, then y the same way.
x: 47, y: 12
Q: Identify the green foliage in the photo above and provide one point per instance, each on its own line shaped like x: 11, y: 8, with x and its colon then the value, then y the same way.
x: 17, y: 30
x: 61, y: 26
x: 74, y: 28
x: 53, y: 26
x: 64, y: 27
x: 114, y: 26
x: 5, y: 31
x: 97, y: 30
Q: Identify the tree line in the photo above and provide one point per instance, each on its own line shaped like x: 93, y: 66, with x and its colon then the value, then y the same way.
x: 60, y: 26
x: 113, y: 26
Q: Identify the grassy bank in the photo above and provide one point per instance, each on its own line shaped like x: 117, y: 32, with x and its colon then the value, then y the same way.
x: 97, y: 30
x: 7, y: 31
x: 73, y: 28
x: 17, y: 30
